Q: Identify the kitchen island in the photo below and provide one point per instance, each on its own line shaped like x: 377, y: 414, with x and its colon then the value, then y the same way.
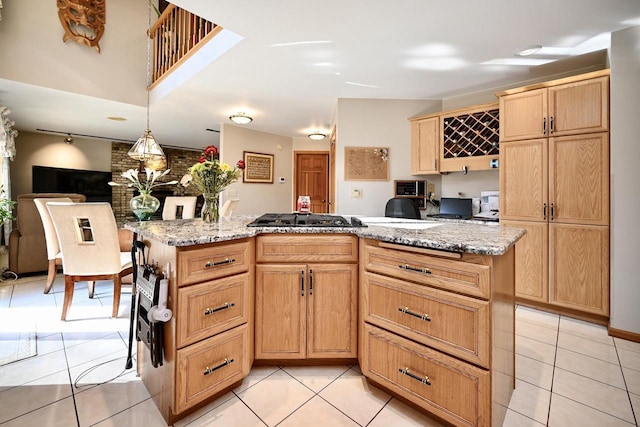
x: 427, y: 312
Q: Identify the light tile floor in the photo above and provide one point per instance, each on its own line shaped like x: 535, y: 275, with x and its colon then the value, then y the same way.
x: 569, y: 373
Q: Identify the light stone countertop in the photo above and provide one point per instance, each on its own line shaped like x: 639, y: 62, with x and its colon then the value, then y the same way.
x: 455, y: 236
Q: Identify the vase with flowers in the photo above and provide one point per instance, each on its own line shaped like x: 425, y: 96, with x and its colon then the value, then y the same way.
x: 211, y: 176
x: 144, y: 205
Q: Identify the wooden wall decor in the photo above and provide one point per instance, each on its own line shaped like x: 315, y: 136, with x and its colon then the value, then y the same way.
x: 366, y: 163
x: 83, y: 21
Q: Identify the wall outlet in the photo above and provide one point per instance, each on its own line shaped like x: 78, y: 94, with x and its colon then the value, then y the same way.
x: 431, y: 188
x: 355, y: 193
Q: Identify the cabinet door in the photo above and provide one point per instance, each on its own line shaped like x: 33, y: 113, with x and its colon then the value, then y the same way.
x: 532, y: 255
x: 425, y: 140
x: 579, y: 107
x: 579, y: 179
x: 523, y: 116
x: 523, y: 180
x: 332, y: 311
x: 579, y: 267
x: 280, y: 311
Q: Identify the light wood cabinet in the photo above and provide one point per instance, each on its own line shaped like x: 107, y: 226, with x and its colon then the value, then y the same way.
x: 556, y: 186
x: 569, y: 106
x: 306, y: 310
x: 579, y: 267
x: 208, y: 344
x: 454, y: 140
x: 425, y: 146
x: 437, y: 328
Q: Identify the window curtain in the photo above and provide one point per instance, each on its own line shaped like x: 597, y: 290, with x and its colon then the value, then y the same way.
x: 7, y: 153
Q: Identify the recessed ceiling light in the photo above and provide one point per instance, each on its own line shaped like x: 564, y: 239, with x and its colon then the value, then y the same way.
x: 117, y: 118
x: 530, y: 50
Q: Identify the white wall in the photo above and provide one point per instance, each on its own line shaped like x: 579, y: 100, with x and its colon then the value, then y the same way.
x: 40, y: 57
x: 51, y: 150
x: 258, y: 198
x: 375, y: 123
x: 625, y: 177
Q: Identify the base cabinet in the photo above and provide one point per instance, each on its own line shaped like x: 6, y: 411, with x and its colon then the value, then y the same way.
x: 438, y: 329
x: 307, y: 310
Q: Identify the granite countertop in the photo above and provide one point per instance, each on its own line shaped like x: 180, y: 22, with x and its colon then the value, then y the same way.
x: 455, y: 236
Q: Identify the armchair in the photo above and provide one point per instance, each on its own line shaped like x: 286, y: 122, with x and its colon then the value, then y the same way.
x: 89, y: 241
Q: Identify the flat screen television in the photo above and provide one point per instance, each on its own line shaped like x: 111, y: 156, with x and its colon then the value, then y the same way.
x: 93, y: 184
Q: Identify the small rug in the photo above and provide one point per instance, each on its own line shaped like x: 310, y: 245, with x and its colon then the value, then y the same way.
x: 17, y: 345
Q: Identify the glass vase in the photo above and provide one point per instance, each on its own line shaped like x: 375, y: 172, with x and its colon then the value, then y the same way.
x: 211, y: 207
x: 144, y: 205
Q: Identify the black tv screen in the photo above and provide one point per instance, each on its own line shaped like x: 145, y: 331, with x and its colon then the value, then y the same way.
x: 93, y: 184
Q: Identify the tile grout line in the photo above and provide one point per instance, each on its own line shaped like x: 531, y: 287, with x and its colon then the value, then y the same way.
x: 553, y: 376
x: 633, y: 410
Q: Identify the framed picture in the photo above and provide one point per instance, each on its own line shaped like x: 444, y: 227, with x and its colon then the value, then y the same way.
x: 366, y: 163
x: 258, y: 168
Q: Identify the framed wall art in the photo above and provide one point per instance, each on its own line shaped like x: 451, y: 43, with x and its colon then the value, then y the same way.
x: 258, y: 168
x: 366, y: 163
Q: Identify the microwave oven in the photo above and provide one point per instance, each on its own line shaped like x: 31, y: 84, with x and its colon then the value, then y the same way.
x: 411, y: 188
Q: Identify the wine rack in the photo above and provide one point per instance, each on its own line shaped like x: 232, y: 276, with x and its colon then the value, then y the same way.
x: 471, y: 135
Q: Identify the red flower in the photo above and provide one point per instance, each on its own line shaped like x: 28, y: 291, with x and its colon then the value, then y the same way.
x: 240, y: 164
x: 202, y: 159
x: 210, y: 152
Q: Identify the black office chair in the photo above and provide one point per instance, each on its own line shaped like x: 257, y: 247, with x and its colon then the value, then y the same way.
x: 401, y: 208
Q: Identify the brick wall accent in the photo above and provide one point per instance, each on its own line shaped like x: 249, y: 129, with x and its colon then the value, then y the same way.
x: 179, y: 162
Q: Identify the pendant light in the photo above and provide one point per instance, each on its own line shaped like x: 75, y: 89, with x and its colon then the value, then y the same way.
x: 146, y: 147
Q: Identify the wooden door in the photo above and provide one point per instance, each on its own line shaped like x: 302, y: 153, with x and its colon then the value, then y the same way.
x: 425, y: 146
x: 579, y: 267
x: 579, y: 107
x: 523, y: 115
x: 332, y: 311
x: 579, y: 179
x: 312, y: 179
x: 280, y: 311
x: 523, y: 180
x: 532, y: 261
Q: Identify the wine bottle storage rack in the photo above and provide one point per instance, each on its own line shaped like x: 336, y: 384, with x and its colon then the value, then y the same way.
x: 471, y: 135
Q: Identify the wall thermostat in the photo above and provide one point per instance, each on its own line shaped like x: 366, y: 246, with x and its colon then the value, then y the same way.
x: 282, y: 180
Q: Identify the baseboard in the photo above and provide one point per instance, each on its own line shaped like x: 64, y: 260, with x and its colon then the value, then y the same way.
x: 625, y: 335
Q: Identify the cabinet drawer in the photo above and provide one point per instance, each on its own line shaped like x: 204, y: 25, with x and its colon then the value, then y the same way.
x: 454, y: 323
x: 449, y: 388
x: 307, y: 248
x: 457, y: 276
x: 205, y: 368
x: 209, y: 308
x: 211, y: 262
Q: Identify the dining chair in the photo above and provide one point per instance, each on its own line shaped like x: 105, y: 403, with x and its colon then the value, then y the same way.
x: 53, y: 247
x: 89, y: 242
x: 186, y: 205
x: 228, y: 207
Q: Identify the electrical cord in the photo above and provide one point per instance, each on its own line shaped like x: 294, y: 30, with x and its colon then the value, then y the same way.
x: 76, y: 383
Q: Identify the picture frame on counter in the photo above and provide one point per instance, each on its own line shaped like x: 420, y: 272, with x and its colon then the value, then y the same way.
x: 258, y: 168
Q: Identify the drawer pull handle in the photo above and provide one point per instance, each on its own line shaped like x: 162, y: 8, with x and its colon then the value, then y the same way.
x: 224, y: 363
x: 226, y: 305
x: 424, y: 380
x: 419, y: 270
x: 210, y: 264
x: 424, y: 317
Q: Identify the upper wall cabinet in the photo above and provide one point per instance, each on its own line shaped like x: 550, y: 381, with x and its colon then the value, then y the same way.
x: 458, y: 140
x: 574, y: 105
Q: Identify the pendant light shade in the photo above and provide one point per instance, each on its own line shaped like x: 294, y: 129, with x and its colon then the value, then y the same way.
x: 146, y: 148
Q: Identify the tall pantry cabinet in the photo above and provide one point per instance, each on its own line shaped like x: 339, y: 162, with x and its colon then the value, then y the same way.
x: 554, y: 182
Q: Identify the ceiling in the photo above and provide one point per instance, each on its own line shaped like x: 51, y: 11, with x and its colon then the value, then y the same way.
x: 296, y: 58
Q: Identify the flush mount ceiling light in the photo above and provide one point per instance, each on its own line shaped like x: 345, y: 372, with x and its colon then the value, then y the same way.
x: 69, y: 139
x: 530, y: 50
x: 317, y: 136
x: 240, y: 118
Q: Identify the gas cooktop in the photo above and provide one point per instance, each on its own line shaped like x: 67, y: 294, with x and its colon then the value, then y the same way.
x: 304, y: 220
